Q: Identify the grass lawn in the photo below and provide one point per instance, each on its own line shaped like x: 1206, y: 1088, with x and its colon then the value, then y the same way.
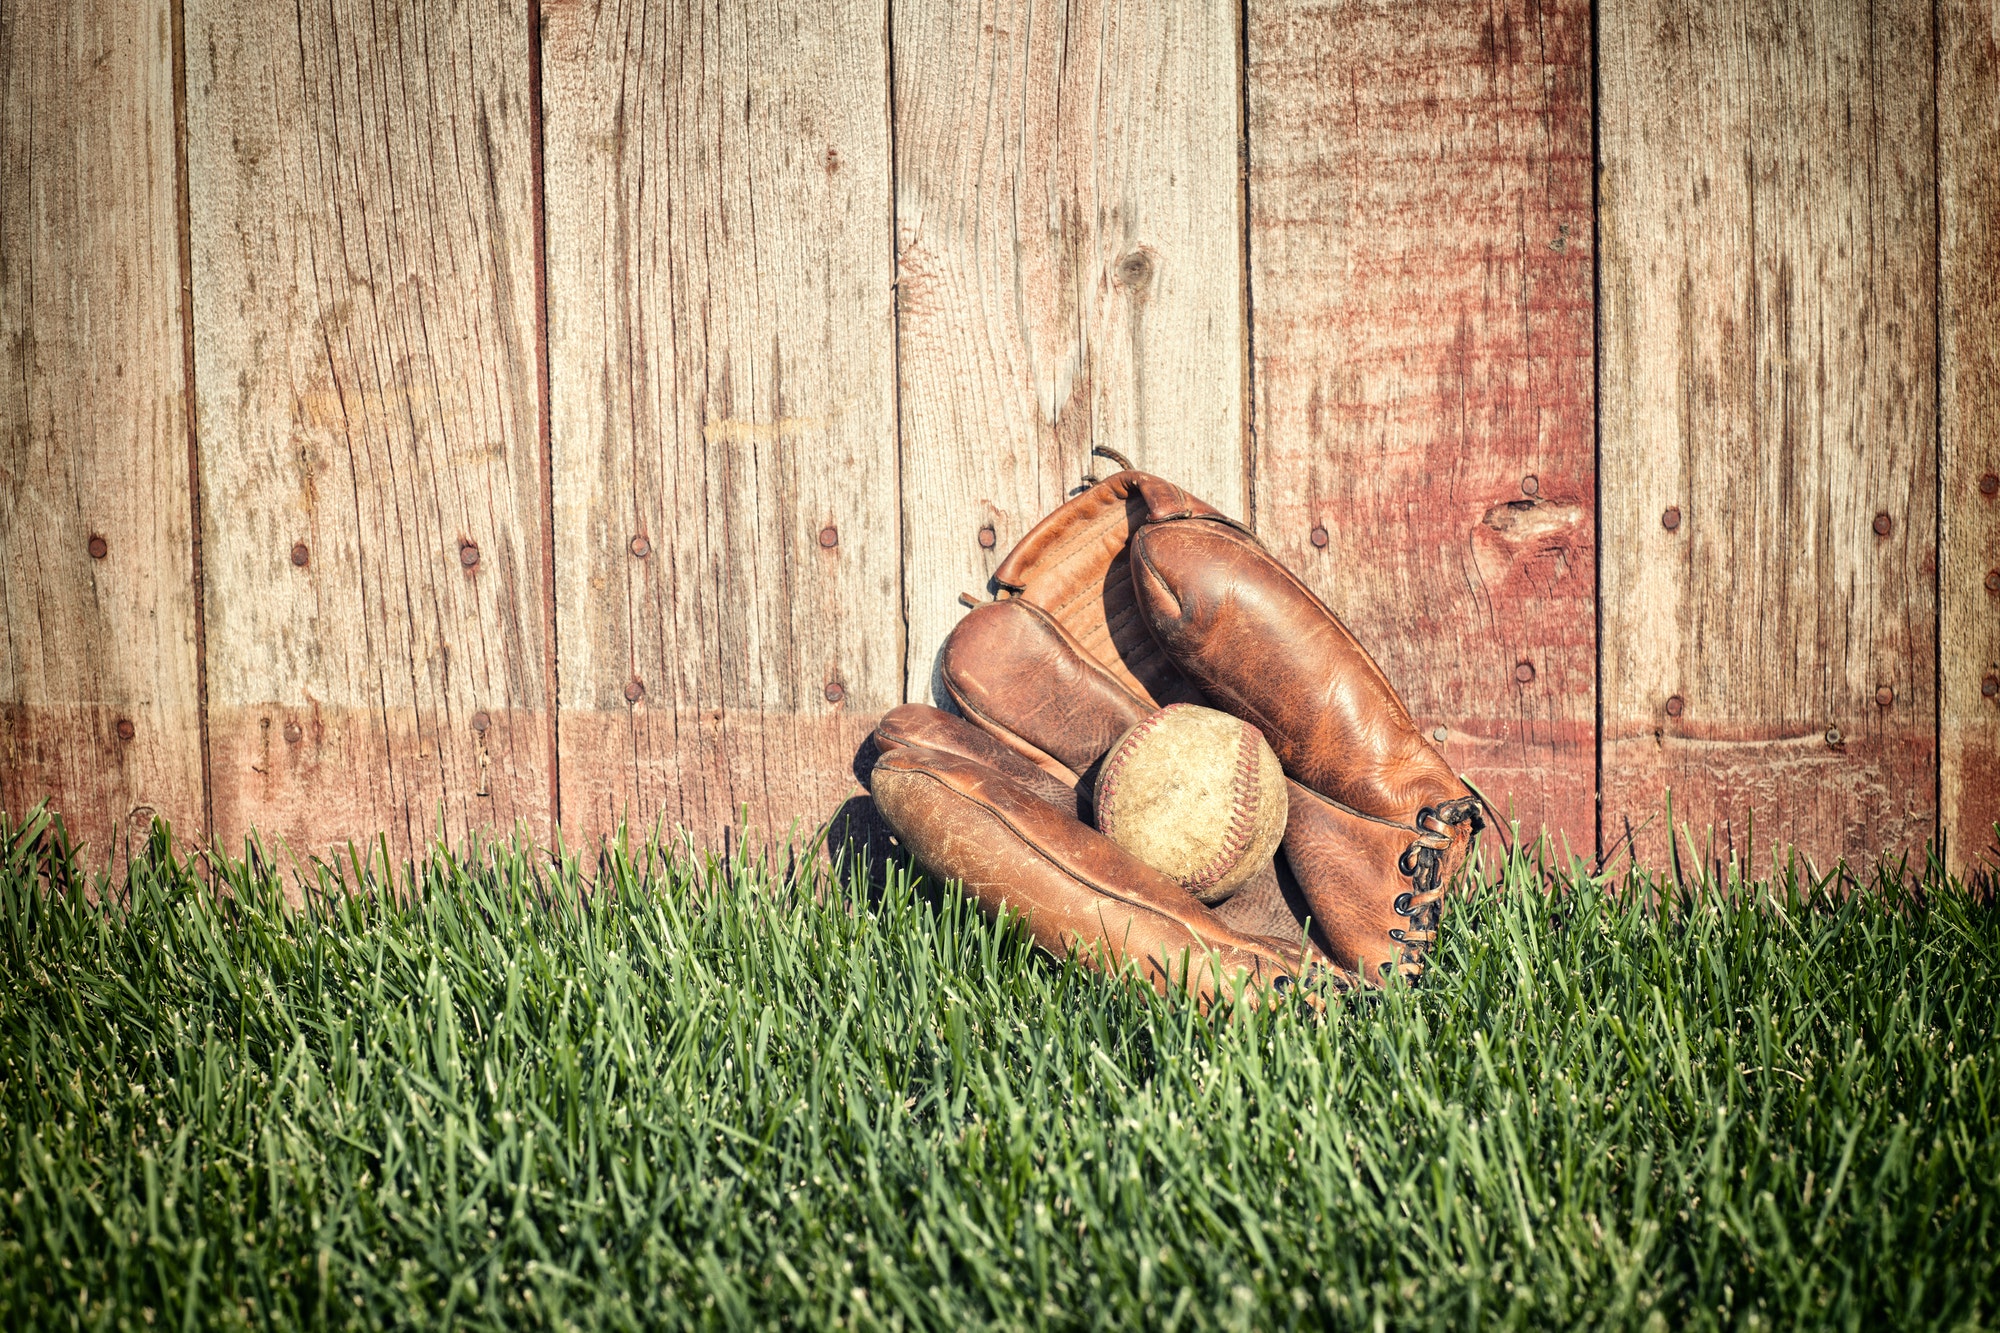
x: 710, y: 1094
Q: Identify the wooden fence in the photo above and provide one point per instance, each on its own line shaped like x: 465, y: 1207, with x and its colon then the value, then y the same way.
x: 442, y: 414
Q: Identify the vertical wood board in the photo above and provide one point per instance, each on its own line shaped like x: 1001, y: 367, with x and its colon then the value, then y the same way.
x: 1768, y: 428
x: 1969, y: 430
x: 99, y: 702
x: 365, y: 353
x: 1420, y: 289
x: 1069, y: 272
x: 722, y: 353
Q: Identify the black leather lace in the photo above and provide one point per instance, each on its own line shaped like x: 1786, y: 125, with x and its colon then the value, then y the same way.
x: 1423, y: 862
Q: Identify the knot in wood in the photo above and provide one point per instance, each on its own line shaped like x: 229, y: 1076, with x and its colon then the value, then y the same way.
x: 1135, y: 270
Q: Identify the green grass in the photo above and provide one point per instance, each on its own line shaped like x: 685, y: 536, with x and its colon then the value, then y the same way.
x: 710, y: 1094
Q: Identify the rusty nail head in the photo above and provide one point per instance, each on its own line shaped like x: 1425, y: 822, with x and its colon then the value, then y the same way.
x: 1531, y: 485
x: 1671, y: 520
x: 294, y: 732
x: 1990, y: 686
x: 1884, y: 696
x: 468, y: 554
x: 641, y: 547
x: 835, y: 692
x: 986, y: 537
x: 1440, y: 735
x: 300, y: 554
x: 480, y: 721
x: 1524, y: 672
x: 1676, y: 705
x: 1319, y: 535
x: 829, y: 537
x: 1833, y: 736
x: 1989, y: 484
x: 635, y: 690
x: 125, y: 729
x: 1993, y: 580
x: 1883, y: 525
x: 97, y: 546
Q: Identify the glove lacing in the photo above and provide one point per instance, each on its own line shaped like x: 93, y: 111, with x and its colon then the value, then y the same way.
x: 1423, y: 862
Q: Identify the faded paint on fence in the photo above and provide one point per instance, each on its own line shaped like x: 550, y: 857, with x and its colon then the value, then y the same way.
x: 1769, y: 433
x: 698, y: 361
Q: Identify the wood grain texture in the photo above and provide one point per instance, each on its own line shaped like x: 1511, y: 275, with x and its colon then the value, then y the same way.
x: 1420, y: 270
x: 1969, y: 429
x: 1768, y: 290
x: 1069, y: 265
x: 364, y: 282
x: 93, y: 428
x: 722, y: 358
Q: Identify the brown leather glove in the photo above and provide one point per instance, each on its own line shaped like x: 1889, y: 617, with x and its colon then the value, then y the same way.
x: 1135, y: 595
x: 970, y: 809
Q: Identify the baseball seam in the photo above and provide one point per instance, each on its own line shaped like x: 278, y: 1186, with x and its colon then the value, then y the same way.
x: 1107, y: 785
x: 1242, y: 812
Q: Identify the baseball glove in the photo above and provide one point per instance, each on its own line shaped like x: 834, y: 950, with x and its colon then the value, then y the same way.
x: 1132, y: 596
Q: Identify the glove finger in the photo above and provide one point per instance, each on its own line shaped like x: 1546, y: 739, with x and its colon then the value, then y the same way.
x: 919, y: 726
x: 1263, y: 647
x: 1012, y: 668
x: 1077, y: 891
x: 1075, y: 565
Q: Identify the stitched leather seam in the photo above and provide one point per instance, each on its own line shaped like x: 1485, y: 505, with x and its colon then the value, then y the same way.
x: 1410, y: 829
x: 1028, y: 841
x: 1004, y: 734
x: 1107, y: 784
x: 1073, y: 546
x: 1242, y: 812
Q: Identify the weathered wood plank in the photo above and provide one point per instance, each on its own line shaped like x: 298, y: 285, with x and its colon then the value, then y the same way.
x: 1069, y: 266
x: 99, y: 703
x: 722, y: 359
x: 1969, y: 429
x: 1420, y: 270
x: 365, y: 350
x: 1768, y: 289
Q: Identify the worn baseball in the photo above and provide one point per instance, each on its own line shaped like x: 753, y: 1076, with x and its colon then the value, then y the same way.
x: 1197, y: 795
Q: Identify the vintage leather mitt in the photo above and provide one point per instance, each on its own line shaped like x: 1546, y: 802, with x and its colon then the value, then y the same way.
x: 1132, y: 596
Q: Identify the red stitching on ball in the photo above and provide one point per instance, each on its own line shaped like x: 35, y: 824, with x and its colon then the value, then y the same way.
x: 1242, y: 813
x: 1107, y: 783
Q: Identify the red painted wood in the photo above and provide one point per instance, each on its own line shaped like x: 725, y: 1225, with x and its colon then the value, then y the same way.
x: 1421, y: 305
